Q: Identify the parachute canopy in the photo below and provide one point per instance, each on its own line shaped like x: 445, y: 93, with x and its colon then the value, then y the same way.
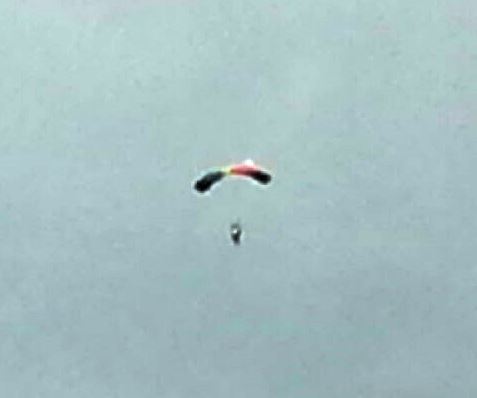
x: 244, y: 169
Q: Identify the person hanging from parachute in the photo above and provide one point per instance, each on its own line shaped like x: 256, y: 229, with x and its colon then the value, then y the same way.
x: 247, y: 169
x: 236, y: 233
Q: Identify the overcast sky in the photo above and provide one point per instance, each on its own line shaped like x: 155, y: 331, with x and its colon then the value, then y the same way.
x: 357, y: 276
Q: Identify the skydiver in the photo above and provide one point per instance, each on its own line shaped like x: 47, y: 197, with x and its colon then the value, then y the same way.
x: 236, y: 233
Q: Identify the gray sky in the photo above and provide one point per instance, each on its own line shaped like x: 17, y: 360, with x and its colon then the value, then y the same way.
x: 357, y: 276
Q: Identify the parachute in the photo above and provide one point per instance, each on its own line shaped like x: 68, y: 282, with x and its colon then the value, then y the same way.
x: 245, y: 169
